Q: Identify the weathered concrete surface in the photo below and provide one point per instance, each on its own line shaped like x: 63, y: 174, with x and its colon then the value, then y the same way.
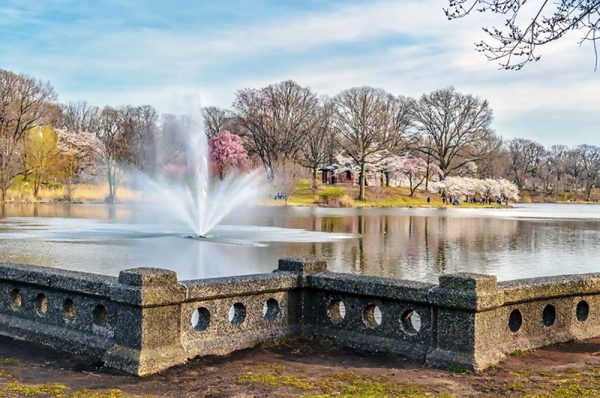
x: 145, y: 321
x: 465, y: 322
x: 147, y: 335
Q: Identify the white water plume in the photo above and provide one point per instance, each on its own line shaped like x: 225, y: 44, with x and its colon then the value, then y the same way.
x: 200, y: 202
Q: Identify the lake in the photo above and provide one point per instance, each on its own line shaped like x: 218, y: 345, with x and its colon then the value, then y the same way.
x: 528, y: 240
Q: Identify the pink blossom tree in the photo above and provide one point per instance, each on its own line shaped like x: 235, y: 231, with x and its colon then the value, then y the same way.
x: 416, y: 171
x: 77, y: 151
x: 227, y: 153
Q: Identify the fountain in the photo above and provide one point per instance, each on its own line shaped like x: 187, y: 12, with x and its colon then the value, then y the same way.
x: 179, y: 223
x: 197, y: 200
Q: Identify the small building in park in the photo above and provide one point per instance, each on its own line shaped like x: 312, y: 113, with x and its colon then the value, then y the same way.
x: 338, y: 174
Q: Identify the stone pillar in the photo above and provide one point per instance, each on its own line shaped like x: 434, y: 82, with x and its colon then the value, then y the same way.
x: 302, y: 265
x: 300, y: 302
x: 147, y: 324
x: 466, y: 322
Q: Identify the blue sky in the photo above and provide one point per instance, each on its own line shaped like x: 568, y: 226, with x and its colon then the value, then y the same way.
x: 171, y: 53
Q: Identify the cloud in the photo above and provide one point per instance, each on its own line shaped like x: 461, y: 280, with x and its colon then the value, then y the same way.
x: 118, y: 53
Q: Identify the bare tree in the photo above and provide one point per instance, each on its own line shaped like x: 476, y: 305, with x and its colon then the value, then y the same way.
x: 140, y: 128
x: 589, y: 156
x: 215, y: 120
x: 526, y: 157
x: 320, y: 139
x: 24, y: 104
x: 494, y: 160
x: 369, y: 121
x: 276, y: 121
x: 557, y: 162
x: 171, y: 139
x: 515, y: 43
x: 574, y: 169
x: 79, y: 116
x: 128, y: 136
x: 452, y: 126
x: 116, y: 147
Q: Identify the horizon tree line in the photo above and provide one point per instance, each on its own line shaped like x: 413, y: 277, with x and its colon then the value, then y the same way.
x: 286, y: 127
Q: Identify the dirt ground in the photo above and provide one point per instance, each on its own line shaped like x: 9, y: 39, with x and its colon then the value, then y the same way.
x: 303, y: 369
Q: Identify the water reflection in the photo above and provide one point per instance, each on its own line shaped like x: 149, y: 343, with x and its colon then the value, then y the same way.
x: 416, y: 244
x: 95, y: 211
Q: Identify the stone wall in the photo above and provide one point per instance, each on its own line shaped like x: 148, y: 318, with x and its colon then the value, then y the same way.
x: 145, y: 320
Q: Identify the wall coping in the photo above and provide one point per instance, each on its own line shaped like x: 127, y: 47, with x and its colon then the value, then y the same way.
x: 531, y: 289
x: 125, y: 289
x: 146, y: 316
x: 212, y: 288
x: 374, y: 286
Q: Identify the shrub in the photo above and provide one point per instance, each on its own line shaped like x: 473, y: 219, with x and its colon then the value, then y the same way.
x: 334, y: 197
x: 329, y: 193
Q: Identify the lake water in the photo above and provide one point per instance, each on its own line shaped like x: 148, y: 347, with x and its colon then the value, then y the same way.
x: 419, y: 244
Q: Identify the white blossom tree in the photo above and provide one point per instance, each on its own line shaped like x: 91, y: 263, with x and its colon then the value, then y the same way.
x: 455, y: 189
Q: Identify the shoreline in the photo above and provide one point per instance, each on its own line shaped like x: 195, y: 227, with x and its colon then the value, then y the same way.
x: 282, y: 203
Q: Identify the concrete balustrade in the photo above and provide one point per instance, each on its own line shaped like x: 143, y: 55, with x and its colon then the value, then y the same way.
x: 145, y: 320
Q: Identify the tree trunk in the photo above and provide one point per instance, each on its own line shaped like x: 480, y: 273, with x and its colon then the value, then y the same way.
x: 588, y: 192
x: 362, y: 182
x: 37, y: 180
x: 427, y: 172
x: 111, y: 185
x: 69, y: 189
x: 314, y: 180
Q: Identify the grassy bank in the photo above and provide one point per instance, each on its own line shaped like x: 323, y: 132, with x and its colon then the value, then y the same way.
x: 301, y: 195
x: 565, y: 198
x: 344, y: 196
x: 21, y: 192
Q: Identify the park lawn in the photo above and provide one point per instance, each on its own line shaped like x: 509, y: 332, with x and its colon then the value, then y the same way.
x: 302, y: 195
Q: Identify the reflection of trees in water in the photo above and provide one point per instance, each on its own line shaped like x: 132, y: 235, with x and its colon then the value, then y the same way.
x: 67, y: 211
x: 417, y: 246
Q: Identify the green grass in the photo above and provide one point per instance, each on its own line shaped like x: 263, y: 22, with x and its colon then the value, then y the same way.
x: 518, y: 353
x: 302, y: 195
x: 342, y: 385
x: 457, y: 369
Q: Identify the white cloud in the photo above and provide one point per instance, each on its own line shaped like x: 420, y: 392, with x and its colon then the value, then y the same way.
x: 406, y: 47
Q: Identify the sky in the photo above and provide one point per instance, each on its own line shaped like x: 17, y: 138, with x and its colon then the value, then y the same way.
x: 173, y: 53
